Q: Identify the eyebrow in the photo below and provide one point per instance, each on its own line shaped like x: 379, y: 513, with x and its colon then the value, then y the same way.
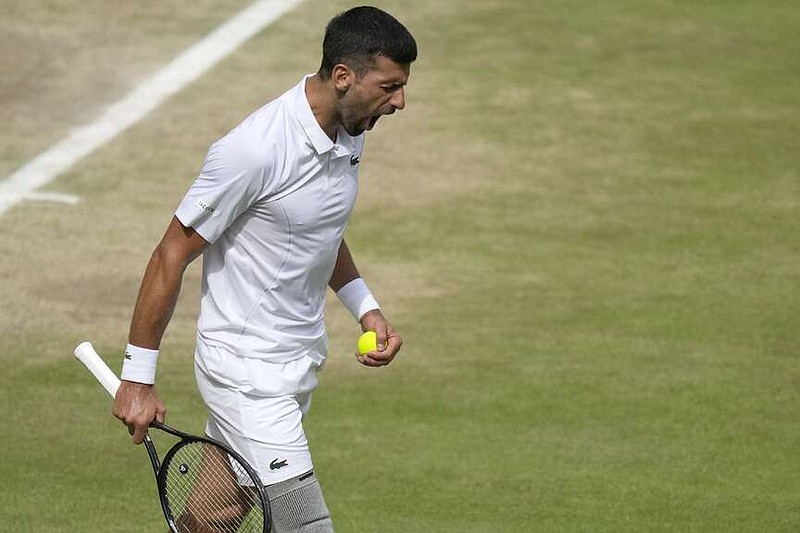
x: 393, y: 83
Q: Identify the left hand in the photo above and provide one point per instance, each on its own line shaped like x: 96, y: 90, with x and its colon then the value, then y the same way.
x: 389, y: 341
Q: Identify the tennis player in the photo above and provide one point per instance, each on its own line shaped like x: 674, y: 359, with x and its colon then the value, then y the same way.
x: 268, y: 213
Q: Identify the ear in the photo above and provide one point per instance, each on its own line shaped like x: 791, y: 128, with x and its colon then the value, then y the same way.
x: 343, y: 77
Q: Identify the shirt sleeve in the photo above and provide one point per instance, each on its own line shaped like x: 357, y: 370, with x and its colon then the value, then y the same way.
x: 234, y: 176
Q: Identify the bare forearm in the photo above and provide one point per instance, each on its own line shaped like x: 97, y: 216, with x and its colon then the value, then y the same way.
x: 161, y: 284
x: 156, y: 302
x: 388, y: 341
x: 345, y: 269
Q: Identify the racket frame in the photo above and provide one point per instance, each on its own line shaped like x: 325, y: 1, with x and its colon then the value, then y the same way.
x: 87, y: 355
x: 185, y: 438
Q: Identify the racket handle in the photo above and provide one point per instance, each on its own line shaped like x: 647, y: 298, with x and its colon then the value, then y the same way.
x: 87, y: 355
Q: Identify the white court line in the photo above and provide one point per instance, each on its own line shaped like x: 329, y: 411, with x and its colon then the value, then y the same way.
x: 184, y: 69
x: 53, y: 197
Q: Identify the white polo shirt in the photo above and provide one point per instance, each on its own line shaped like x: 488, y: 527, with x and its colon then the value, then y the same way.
x: 273, y: 198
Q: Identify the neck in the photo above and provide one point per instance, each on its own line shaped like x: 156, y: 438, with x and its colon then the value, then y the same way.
x: 321, y: 96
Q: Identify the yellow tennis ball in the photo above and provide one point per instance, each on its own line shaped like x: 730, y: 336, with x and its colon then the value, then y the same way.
x: 368, y: 342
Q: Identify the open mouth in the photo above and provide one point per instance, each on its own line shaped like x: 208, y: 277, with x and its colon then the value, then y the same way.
x: 372, y: 121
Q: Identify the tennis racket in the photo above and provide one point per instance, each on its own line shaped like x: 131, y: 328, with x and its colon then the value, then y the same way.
x: 203, y: 485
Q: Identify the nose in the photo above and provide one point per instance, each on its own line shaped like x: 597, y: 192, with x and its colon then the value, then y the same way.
x: 398, y: 100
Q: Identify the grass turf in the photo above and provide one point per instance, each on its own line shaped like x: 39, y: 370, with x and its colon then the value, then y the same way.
x: 585, y: 227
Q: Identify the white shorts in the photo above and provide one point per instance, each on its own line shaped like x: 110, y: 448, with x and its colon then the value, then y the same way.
x: 257, y: 408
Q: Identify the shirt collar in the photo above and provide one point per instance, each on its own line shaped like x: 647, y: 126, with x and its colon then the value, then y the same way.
x: 345, y: 144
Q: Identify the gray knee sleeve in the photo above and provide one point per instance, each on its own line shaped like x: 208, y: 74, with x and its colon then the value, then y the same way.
x: 298, y: 506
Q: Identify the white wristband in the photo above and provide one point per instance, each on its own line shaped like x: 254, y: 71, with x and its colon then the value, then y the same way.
x: 139, y: 365
x: 357, y: 298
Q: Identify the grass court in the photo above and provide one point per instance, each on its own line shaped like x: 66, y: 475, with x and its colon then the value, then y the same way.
x: 584, y: 224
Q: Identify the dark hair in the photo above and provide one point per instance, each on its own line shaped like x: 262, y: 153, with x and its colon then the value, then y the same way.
x: 356, y: 36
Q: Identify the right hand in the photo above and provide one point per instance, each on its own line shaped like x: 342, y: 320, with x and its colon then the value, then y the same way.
x: 137, y: 405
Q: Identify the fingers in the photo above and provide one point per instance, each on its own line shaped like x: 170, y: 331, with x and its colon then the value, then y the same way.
x: 139, y: 433
x: 137, y: 427
x: 369, y: 360
x: 137, y: 405
x: 161, y: 413
x: 381, y: 334
x: 389, y: 343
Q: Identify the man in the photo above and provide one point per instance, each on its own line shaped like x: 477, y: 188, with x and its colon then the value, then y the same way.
x: 268, y: 213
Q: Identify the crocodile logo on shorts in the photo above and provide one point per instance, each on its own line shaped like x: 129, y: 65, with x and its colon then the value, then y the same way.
x: 276, y: 464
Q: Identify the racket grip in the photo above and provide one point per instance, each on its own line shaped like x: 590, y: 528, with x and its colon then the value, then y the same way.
x: 87, y: 355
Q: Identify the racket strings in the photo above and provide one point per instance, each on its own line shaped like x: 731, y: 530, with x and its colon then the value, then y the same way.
x: 207, y: 491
